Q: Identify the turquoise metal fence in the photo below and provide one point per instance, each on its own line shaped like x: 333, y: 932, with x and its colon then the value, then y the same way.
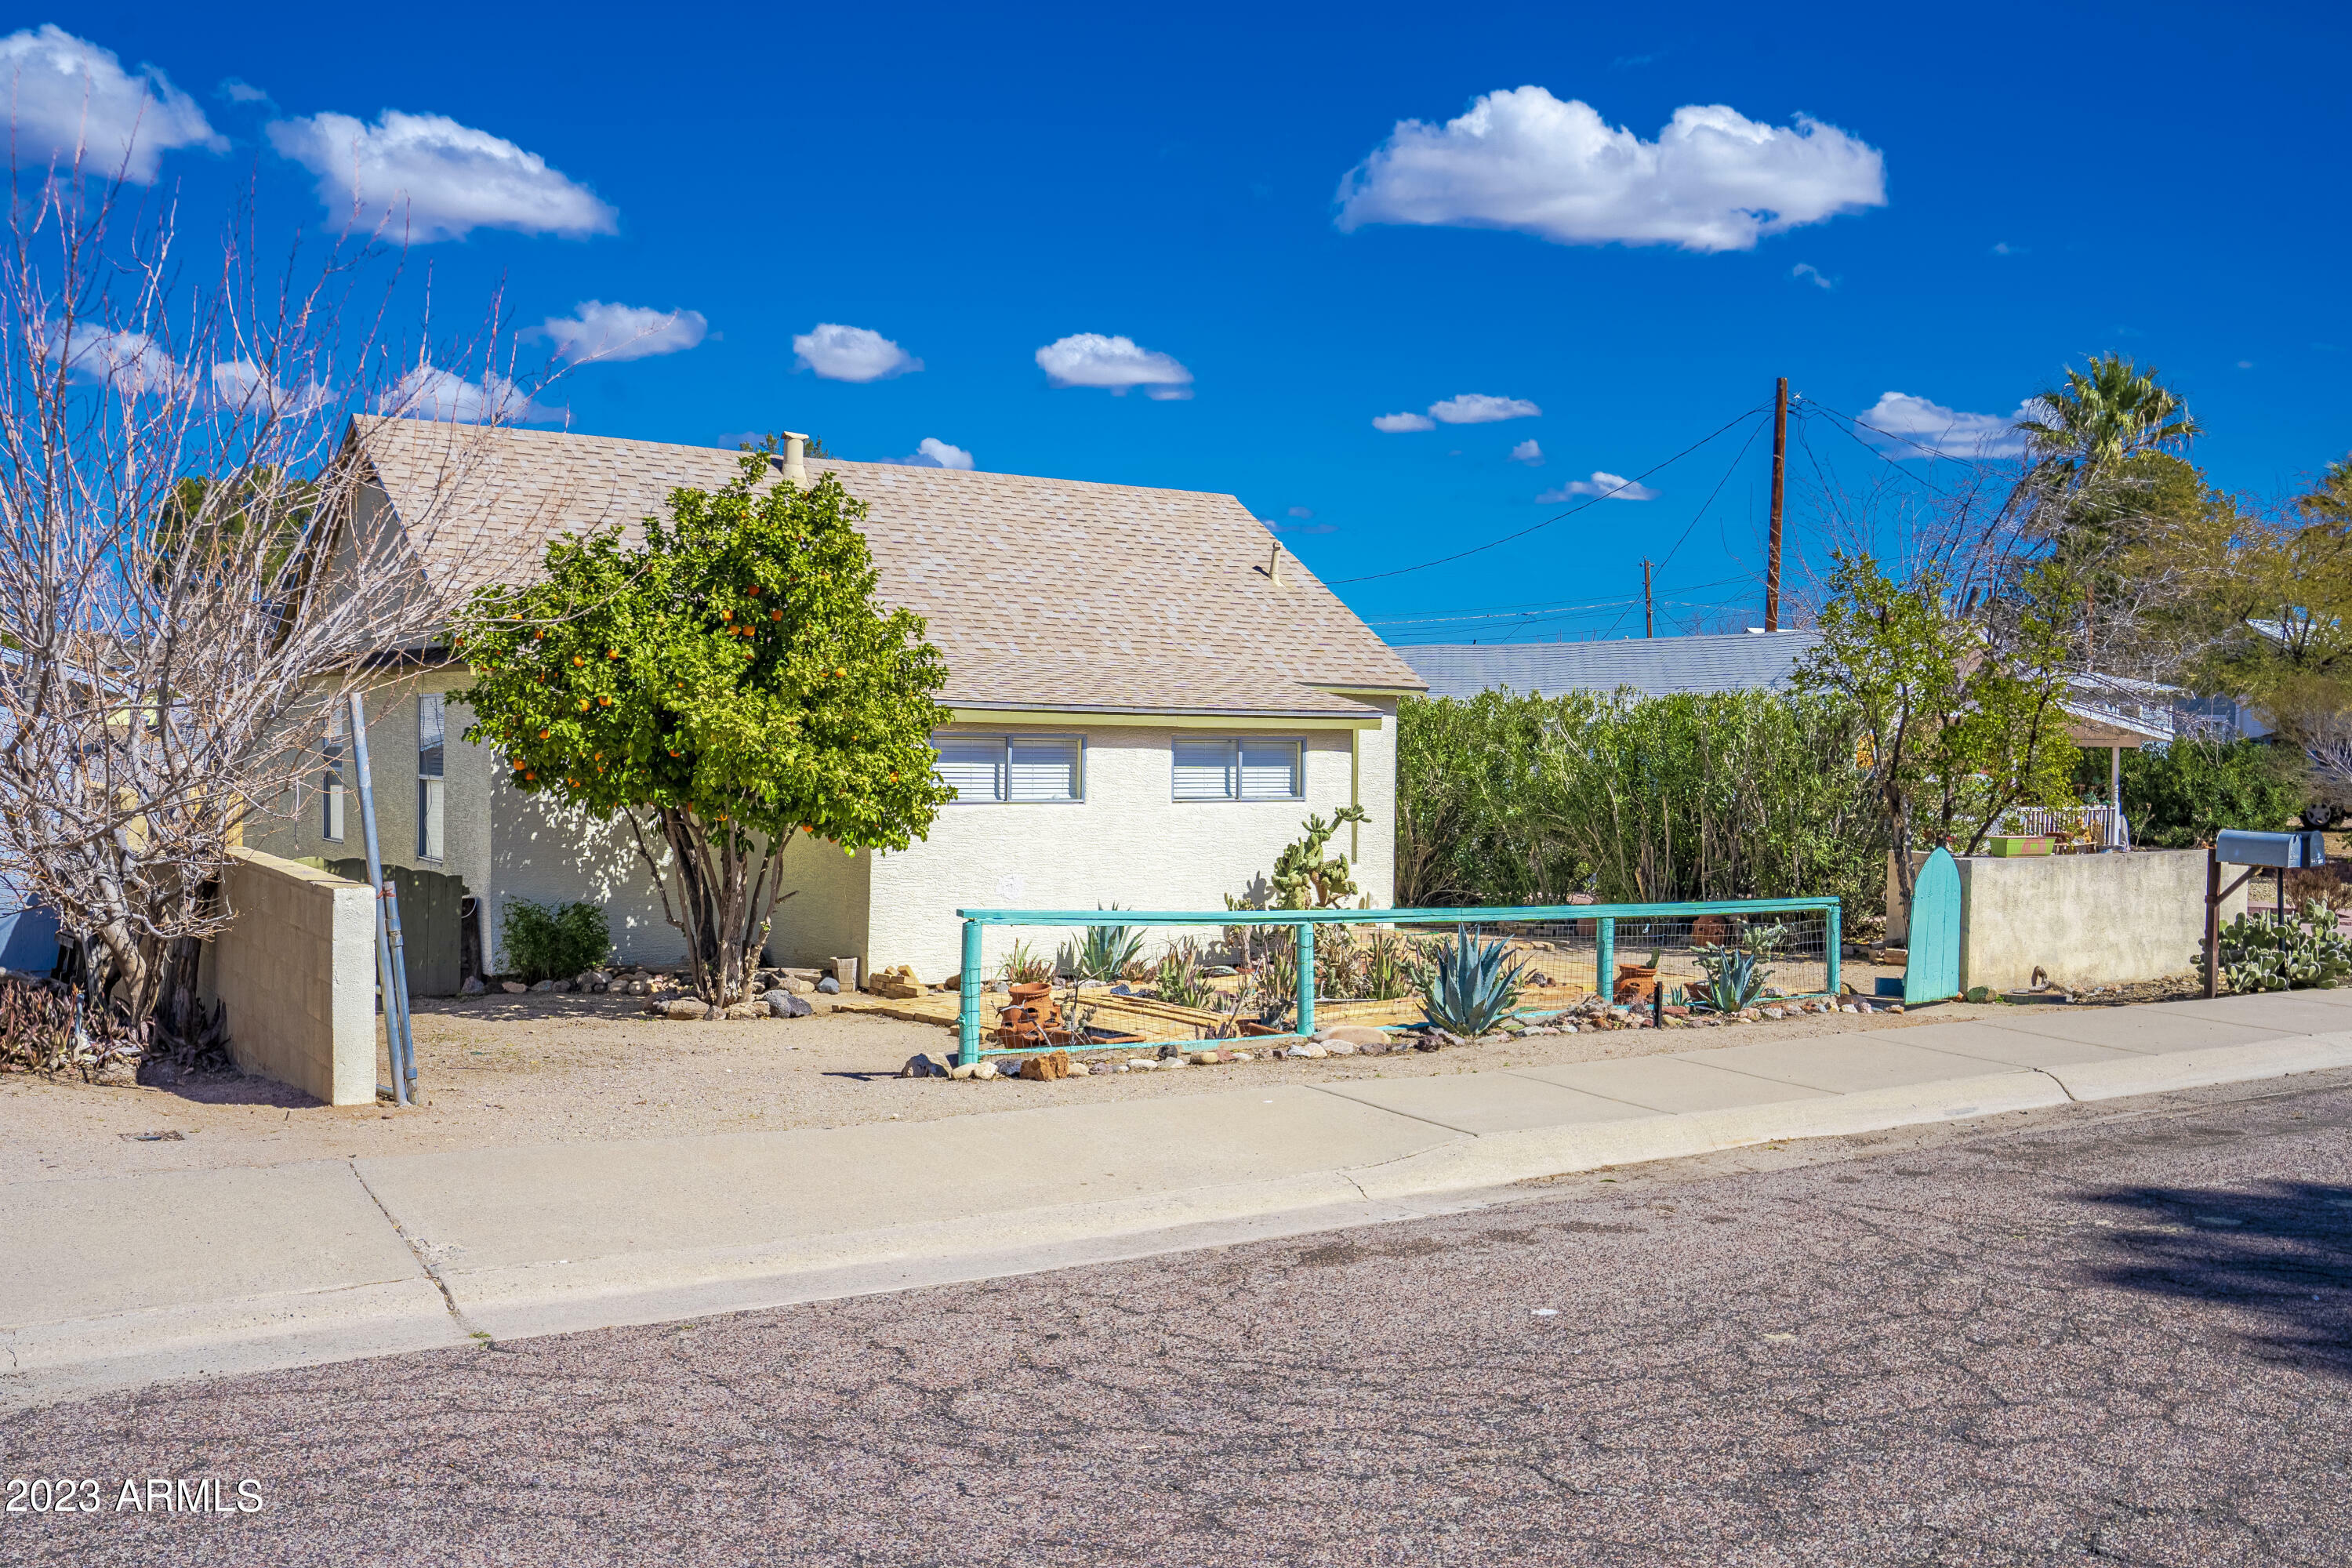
x: 1604, y: 918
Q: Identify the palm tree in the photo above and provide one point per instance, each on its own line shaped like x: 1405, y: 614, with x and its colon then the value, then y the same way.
x: 2112, y: 411
x: 2329, y: 501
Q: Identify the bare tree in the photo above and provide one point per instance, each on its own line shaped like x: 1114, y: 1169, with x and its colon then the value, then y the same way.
x: 188, y: 582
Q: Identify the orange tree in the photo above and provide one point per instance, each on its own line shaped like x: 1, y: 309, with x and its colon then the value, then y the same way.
x: 729, y: 683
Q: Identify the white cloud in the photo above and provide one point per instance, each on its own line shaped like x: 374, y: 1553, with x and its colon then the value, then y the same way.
x: 1397, y: 423
x: 931, y: 452
x: 237, y: 90
x: 68, y: 97
x: 1302, y: 512
x: 1611, y: 487
x: 1090, y: 358
x: 1523, y: 160
x: 436, y: 178
x: 1527, y: 452
x: 2245, y: 364
x: 852, y: 354
x: 428, y: 393
x: 1479, y: 409
x: 598, y: 330
x: 241, y: 385
x: 133, y: 364
x: 1904, y: 425
x: 1811, y: 274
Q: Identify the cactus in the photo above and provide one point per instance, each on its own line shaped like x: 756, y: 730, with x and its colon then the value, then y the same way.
x: 2266, y: 953
x: 1473, y: 986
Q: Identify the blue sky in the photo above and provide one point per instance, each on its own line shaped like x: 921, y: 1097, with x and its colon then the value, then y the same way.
x: 1968, y: 203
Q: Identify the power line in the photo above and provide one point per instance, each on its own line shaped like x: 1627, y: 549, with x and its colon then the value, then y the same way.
x: 1571, y: 511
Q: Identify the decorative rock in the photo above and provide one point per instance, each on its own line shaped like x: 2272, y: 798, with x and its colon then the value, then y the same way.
x: 1847, y: 1008
x: 1342, y: 1048
x: 1895, y: 1006
x: 1773, y: 1012
x: 985, y: 1069
x: 1099, y: 1068
x: 925, y: 1064
x: 829, y: 986
x: 544, y: 985
x: 1045, y: 1068
x: 683, y: 1008
x: 785, y: 1004
x: 1863, y: 1008
x: 1354, y: 1035
x: 1308, y: 1049
x: 513, y: 987
x: 961, y: 1072
x: 473, y: 986
x: 745, y: 1010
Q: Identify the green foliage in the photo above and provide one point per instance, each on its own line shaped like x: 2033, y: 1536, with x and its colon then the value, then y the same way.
x: 2180, y: 795
x: 2265, y: 954
x: 1304, y: 877
x: 1023, y: 966
x: 1962, y: 716
x: 1506, y: 799
x: 552, y: 941
x: 729, y: 683
x: 1103, y: 953
x: 1181, y: 975
x: 1473, y: 987
x: 2101, y: 415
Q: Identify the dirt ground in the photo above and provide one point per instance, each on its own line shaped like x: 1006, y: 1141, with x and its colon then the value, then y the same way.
x: 537, y: 1069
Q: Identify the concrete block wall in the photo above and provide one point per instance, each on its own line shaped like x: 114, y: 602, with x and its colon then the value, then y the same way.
x: 2084, y: 920
x: 296, y: 970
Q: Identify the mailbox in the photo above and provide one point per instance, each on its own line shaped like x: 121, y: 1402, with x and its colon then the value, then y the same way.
x: 2285, y: 851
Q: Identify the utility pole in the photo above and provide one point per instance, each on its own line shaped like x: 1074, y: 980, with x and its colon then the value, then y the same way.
x: 1780, y: 489
x: 1649, y: 608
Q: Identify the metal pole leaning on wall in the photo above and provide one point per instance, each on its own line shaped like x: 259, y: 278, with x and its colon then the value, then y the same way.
x: 1306, y: 978
x: 968, y: 1008
x: 388, y: 954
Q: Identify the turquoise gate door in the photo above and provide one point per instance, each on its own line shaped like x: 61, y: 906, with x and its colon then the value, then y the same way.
x: 1932, y: 973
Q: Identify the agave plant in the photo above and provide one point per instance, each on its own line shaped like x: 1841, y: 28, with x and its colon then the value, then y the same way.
x: 1473, y: 986
x: 1180, y: 978
x: 1734, y: 979
x: 1105, y: 954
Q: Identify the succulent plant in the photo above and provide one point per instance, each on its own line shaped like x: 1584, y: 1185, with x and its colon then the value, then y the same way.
x: 1475, y: 985
x: 1734, y: 979
x: 2266, y: 953
x: 1103, y: 953
x: 1180, y: 978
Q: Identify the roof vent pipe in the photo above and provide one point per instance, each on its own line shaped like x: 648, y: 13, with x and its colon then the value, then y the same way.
x: 1274, y: 566
x: 795, y: 468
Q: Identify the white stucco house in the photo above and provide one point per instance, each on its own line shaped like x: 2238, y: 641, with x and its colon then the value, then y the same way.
x: 1149, y: 697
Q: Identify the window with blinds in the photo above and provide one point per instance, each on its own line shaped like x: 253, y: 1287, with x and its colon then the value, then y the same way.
x: 330, y: 779
x: 1238, y: 770
x: 1014, y: 768
x: 429, y: 752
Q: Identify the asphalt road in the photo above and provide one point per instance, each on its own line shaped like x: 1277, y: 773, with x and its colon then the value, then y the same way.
x: 2112, y: 1332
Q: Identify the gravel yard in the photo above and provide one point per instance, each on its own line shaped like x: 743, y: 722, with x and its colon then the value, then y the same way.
x: 539, y: 1068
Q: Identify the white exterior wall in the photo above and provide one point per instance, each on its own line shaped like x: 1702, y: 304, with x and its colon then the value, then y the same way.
x: 1129, y: 842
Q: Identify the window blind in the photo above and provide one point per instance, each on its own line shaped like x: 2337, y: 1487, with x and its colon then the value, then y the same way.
x: 1204, y: 770
x: 1044, y: 770
x: 973, y: 765
x: 1270, y: 770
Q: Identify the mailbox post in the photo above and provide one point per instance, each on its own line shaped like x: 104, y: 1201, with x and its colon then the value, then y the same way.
x: 2281, y: 852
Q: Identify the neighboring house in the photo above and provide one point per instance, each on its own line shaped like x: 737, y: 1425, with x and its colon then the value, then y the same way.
x: 1655, y: 667
x: 1149, y: 699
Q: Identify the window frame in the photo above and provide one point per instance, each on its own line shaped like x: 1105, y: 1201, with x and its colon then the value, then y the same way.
x: 1235, y: 745
x: 432, y: 789
x: 334, y: 821
x: 1005, y: 739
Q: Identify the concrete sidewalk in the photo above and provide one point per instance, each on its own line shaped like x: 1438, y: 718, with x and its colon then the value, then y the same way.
x: 121, y: 1281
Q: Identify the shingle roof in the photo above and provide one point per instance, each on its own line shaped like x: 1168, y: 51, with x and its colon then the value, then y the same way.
x: 1655, y: 666
x: 1050, y: 594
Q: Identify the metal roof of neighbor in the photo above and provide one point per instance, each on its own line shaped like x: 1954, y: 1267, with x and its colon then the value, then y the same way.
x: 1047, y: 593
x: 1655, y: 667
